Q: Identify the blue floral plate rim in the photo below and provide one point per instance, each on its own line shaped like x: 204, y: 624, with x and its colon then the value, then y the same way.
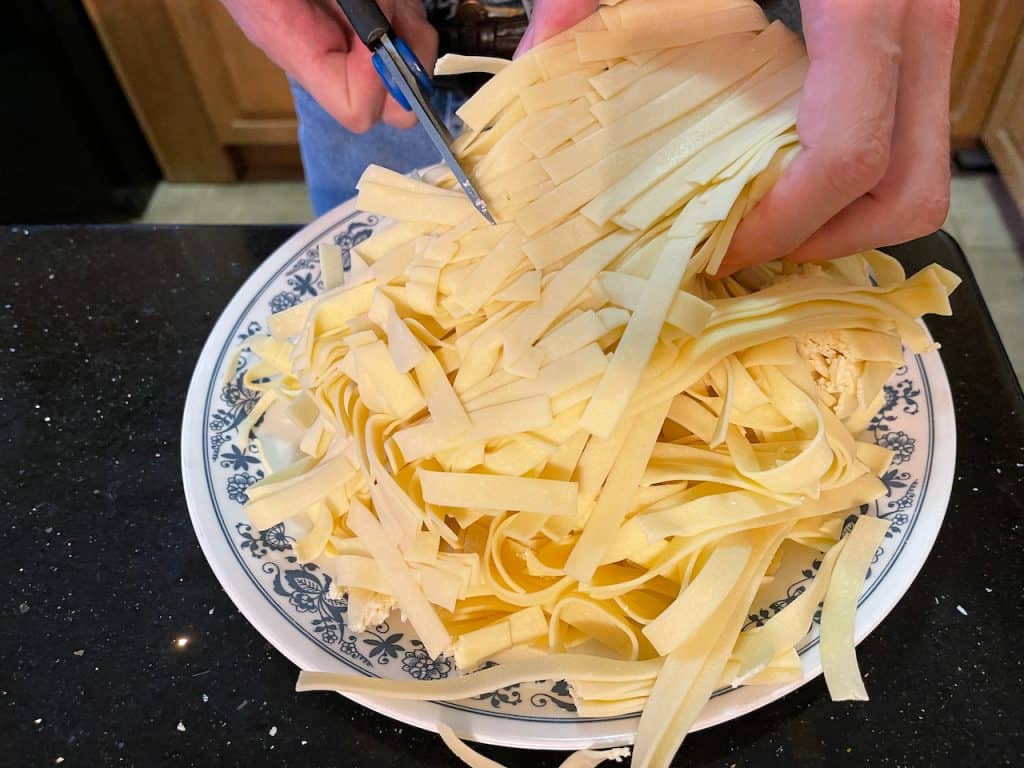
x: 277, y: 595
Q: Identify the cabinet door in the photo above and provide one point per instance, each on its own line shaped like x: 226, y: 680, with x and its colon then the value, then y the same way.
x: 146, y: 54
x: 212, y: 105
x: 1004, y: 132
x: 246, y: 95
x: 988, y: 31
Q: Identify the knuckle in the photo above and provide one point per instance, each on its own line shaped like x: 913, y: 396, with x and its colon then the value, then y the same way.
x: 926, y: 202
x: 358, y: 122
x: 927, y: 215
x: 861, y: 165
x: 406, y: 121
x: 912, y: 216
x: 397, y: 117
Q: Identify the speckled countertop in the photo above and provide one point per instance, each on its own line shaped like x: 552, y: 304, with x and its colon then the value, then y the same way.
x: 99, y: 330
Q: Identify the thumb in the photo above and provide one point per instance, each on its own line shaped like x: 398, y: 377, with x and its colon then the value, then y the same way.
x: 551, y: 17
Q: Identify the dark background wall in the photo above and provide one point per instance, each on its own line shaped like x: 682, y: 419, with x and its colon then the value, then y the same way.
x: 70, y: 147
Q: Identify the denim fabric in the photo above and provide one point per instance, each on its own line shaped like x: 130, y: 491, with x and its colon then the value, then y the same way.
x: 334, y: 158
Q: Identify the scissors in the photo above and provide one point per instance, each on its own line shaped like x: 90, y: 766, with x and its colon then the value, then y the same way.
x: 408, y: 83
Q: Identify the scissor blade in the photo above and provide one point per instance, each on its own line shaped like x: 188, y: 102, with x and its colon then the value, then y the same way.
x: 435, y: 129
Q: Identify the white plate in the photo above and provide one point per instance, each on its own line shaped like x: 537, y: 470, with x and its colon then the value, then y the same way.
x: 289, y: 604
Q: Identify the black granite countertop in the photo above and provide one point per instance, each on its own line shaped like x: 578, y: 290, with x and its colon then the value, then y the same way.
x: 99, y: 330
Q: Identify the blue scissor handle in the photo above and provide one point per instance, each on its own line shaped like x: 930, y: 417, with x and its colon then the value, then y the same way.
x: 414, y: 66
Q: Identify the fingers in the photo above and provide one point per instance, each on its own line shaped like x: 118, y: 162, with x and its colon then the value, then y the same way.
x: 551, y: 17
x: 410, y: 23
x: 314, y: 43
x: 346, y: 85
x: 846, y: 123
x: 860, y: 226
x: 913, y: 197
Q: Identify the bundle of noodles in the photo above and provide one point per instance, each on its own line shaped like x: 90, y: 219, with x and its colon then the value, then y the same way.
x: 561, y: 443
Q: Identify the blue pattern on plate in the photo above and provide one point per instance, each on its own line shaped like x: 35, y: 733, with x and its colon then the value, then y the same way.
x: 302, y: 592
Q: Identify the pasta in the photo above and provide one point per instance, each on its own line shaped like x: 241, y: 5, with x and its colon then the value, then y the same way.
x: 562, y: 435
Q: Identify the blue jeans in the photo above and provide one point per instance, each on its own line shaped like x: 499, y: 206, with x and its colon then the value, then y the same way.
x: 334, y: 158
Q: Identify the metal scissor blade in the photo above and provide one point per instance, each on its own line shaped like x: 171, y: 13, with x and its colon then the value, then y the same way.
x: 435, y: 129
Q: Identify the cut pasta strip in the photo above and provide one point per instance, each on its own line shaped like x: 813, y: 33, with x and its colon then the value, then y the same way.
x: 557, y: 294
x: 567, y: 666
x: 560, y: 90
x: 558, y: 126
x: 730, y: 116
x: 522, y: 494
x: 331, y: 267
x: 696, y: 665
x: 619, y: 77
x: 498, y: 92
x: 428, y: 438
x: 755, y: 648
x: 702, y: 597
x: 687, y: 312
x: 584, y: 758
x: 651, y: 13
x: 621, y: 378
x: 442, y: 402
x: 526, y: 287
x: 623, y: 480
x: 572, y: 235
x: 743, y: 58
x: 394, y: 201
x: 402, y: 584
x: 673, y: 32
x: 838, y: 657
x: 455, y: 64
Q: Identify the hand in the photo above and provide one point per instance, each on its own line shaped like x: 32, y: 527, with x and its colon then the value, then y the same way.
x: 873, y: 124
x: 874, y: 130
x: 314, y: 43
x: 551, y: 17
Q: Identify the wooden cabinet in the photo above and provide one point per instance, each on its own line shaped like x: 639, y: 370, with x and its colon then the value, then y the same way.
x: 212, y: 105
x: 1004, y: 131
x: 246, y: 95
x: 987, y: 100
x: 989, y: 30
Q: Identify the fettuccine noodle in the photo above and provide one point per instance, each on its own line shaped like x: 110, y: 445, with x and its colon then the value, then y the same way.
x: 560, y: 442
